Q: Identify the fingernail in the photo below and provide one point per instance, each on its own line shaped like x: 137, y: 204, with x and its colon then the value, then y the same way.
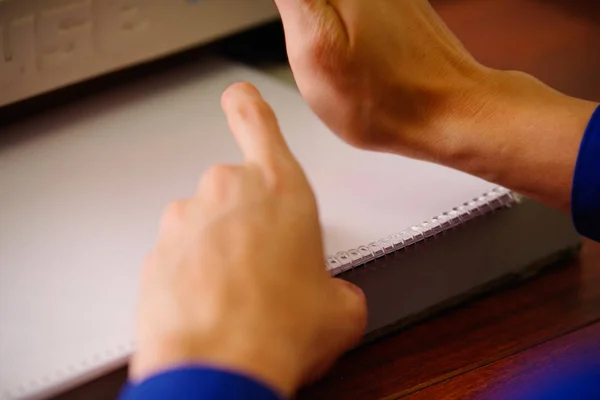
x: 239, y: 90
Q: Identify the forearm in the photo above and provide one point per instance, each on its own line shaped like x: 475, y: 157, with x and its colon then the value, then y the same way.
x: 522, y: 135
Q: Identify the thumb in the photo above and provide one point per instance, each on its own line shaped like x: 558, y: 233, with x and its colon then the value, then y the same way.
x: 352, y: 305
x: 345, y: 328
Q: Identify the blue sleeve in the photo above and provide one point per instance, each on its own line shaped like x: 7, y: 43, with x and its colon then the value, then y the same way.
x: 585, y: 200
x: 198, y: 383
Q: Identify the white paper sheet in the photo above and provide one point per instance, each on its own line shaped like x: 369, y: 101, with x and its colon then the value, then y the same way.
x: 81, y: 194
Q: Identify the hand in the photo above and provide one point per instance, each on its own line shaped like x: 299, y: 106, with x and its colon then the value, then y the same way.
x: 383, y: 75
x: 237, y: 279
x: 389, y: 76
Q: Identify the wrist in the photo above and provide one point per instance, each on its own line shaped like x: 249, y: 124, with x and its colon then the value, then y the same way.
x: 277, y: 373
x: 199, y: 382
x: 513, y: 130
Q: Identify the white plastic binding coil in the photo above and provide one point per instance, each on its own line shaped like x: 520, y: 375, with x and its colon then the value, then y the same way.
x: 485, y: 204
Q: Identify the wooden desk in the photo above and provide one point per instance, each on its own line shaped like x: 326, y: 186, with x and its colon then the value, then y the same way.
x: 484, y: 349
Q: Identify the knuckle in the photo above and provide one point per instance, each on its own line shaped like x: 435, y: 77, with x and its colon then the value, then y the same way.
x: 218, y: 173
x: 174, y: 212
x: 217, y: 181
x: 277, y: 185
x: 276, y: 180
x: 288, y: 178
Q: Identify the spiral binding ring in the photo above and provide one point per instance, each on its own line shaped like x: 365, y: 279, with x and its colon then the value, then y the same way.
x: 488, y: 202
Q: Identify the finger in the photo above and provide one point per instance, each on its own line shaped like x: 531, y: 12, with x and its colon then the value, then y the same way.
x: 222, y: 184
x: 217, y: 177
x: 344, y: 325
x: 255, y: 128
x: 172, y: 224
x: 173, y: 215
x: 352, y: 317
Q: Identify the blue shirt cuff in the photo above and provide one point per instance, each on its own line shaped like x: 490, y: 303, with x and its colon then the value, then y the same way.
x: 197, y: 383
x: 585, y: 200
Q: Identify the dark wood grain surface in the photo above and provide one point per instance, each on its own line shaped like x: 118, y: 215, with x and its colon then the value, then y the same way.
x: 490, y: 346
x: 567, y: 367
